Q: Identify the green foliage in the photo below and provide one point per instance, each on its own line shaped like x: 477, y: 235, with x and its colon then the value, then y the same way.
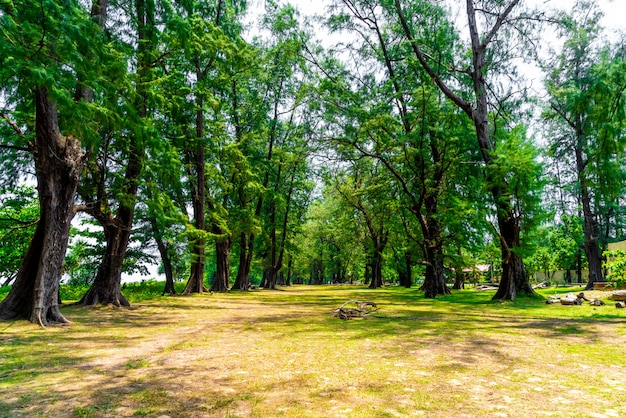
x: 616, y: 266
x: 19, y: 213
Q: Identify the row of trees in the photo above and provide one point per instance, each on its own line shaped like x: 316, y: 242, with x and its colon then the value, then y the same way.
x: 174, y: 131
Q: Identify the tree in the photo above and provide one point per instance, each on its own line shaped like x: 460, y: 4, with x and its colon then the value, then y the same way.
x: 363, y: 188
x: 50, y: 64
x: 407, y: 125
x: 489, y: 51
x: 207, y: 51
x: 586, y: 117
x: 117, y: 218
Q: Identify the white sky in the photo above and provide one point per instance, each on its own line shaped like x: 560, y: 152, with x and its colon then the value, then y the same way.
x: 614, y: 10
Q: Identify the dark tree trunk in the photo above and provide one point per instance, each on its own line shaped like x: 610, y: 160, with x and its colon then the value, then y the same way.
x: 434, y: 282
x: 270, y: 277
x: 289, y: 271
x: 58, y: 163
x: 590, y: 227
x: 106, y: 288
x: 459, y: 280
x: 317, y: 271
x: 459, y: 276
x: 514, y: 279
x: 195, y: 157
x: 167, y: 267
x: 164, y: 253
x: 222, y: 273
x: 246, y: 249
x: 376, y: 266
x: 405, y: 272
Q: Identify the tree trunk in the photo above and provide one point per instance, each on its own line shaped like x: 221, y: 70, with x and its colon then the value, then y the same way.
x: 246, y: 247
x: 58, y: 163
x: 514, y: 279
x: 434, y: 282
x: 195, y: 284
x: 167, y: 267
x: 106, y: 288
x: 376, y: 266
x: 289, y: 271
x: 592, y: 250
x: 405, y: 272
x: 222, y: 273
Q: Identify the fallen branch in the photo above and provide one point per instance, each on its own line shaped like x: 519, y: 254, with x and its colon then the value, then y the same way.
x: 361, y: 309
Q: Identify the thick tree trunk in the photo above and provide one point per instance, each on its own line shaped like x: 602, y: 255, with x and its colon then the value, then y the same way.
x: 222, y: 273
x: 514, y: 280
x: 376, y: 265
x: 246, y: 248
x: 58, y: 163
x: 405, y: 272
x: 270, y: 278
x: 106, y: 288
x: 434, y: 282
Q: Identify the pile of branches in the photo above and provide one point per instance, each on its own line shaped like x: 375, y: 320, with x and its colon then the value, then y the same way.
x: 360, y: 309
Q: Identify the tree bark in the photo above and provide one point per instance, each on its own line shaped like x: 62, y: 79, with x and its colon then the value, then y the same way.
x: 246, y: 246
x: 164, y: 252
x: 167, y: 267
x: 590, y: 227
x: 376, y: 264
x: 222, y: 273
x: 405, y: 274
x: 58, y: 163
x: 434, y: 282
x: 106, y: 287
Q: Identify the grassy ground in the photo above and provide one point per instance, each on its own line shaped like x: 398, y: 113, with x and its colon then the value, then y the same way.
x: 282, y: 354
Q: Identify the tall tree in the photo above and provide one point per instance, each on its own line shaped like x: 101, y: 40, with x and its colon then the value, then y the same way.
x: 405, y: 123
x: 117, y: 222
x: 587, y: 116
x: 490, y: 50
x: 48, y: 51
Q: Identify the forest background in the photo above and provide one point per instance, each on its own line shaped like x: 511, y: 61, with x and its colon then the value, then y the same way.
x: 381, y: 142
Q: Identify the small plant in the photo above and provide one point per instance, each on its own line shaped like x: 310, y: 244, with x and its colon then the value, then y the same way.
x: 137, y: 363
x: 85, y: 412
x: 616, y: 266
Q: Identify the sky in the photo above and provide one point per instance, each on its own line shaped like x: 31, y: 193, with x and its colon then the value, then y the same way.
x: 614, y: 10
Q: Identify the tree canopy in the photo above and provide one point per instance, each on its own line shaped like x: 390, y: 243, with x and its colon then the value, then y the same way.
x: 383, y: 142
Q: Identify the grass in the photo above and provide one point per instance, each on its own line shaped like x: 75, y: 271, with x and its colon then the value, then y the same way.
x: 282, y: 354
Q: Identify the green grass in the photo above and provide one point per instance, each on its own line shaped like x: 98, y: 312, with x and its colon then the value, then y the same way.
x: 283, y: 353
